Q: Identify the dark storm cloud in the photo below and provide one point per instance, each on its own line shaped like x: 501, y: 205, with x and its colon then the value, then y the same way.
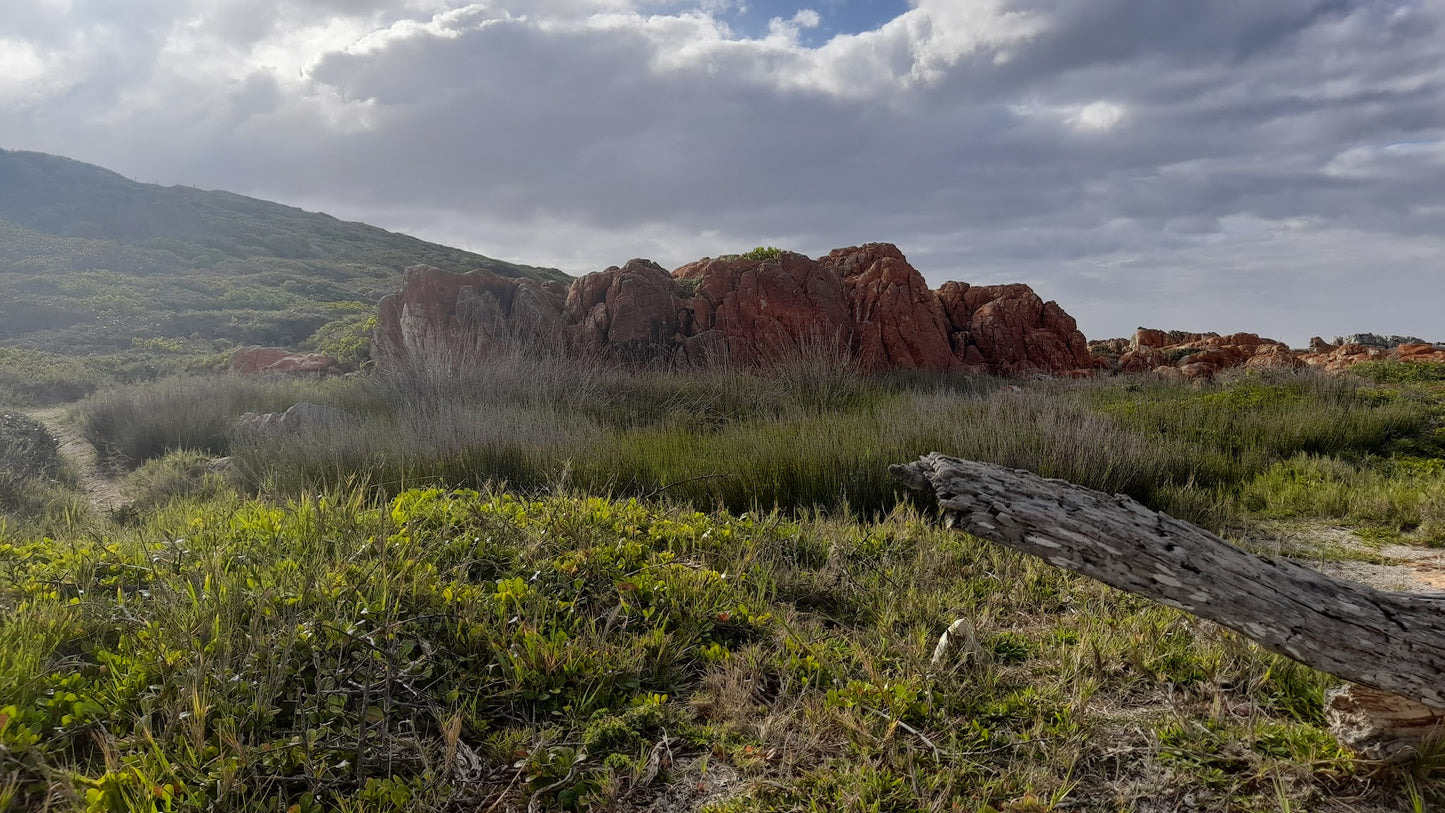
x: 1170, y: 160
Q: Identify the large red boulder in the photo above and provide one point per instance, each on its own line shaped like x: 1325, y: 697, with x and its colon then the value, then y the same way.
x: 1010, y: 330
x: 760, y: 311
x: 449, y: 320
x: 631, y: 312
x: 899, y: 322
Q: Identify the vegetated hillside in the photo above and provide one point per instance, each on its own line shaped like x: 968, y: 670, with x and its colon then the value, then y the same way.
x: 91, y: 262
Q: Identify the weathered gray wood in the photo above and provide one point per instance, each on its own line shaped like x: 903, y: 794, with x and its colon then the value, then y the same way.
x: 1394, y: 642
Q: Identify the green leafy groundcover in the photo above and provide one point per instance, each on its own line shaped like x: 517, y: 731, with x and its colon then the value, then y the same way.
x: 316, y: 652
x: 466, y: 651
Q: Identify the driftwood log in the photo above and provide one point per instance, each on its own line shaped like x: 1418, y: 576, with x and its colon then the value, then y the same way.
x: 1391, y: 644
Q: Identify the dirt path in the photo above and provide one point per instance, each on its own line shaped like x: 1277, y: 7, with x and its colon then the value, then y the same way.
x: 100, y: 487
x: 1341, y: 552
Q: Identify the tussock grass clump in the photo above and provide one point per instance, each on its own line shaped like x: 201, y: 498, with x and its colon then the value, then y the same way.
x: 175, y: 475
x: 456, y: 650
x: 741, y: 440
x: 805, y: 433
x: 1403, y: 495
x: 130, y: 425
x: 32, y: 377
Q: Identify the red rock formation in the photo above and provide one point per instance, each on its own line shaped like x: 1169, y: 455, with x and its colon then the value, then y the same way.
x: 865, y: 304
x: 748, y: 312
x: 1274, y: 357
x: 252, y: 361
x: 1202, y: 355
x: 1339, y: 359
x: 632, y: 312
x: 440, y: 318
x: 900, y: 324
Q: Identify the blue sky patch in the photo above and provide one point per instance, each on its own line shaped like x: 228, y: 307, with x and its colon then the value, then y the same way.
x: 750, y: 18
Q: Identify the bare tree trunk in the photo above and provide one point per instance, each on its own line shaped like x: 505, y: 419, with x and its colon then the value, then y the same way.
x: 1393, y: 642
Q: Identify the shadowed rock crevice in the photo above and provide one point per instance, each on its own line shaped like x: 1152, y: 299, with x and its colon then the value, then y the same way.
x: 866, y: 306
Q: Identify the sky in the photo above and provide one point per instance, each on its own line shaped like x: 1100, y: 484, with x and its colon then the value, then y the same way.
x: 1275, y: 167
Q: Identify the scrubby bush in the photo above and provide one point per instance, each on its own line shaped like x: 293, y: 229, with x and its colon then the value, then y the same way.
x: 130, y: 425
x: 33, y: 479
x: 462, y: 651
x: 32, y: 377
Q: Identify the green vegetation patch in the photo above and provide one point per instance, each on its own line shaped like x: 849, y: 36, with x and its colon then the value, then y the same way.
x: 1400, y: 371
x: 475, y: 649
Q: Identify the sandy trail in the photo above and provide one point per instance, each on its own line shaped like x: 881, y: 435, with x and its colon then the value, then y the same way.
x: 96, y: 481
x: 1410, y: 568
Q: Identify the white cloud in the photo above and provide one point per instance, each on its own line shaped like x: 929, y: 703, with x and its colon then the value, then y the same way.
x: 1097, y: 116
x: 23, y: 73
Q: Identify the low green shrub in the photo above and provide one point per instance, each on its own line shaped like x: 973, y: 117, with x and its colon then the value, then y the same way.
x: 36, y: 488
x: 33, y: 377
x: 1400, y: 371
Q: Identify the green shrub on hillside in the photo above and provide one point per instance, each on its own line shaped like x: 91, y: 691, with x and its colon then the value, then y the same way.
x: 34, y: 377
x: 762, y: 254
x: 348, y: 340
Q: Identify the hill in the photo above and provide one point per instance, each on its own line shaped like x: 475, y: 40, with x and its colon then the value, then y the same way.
x: 92, y: 262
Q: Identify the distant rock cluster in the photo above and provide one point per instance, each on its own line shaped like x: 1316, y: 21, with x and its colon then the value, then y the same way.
x: 1373, y: 340
x: 865, y: 305
x: 1203, y: 355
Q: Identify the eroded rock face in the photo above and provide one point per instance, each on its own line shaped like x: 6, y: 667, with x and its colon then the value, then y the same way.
x: 746, y: 312
x: 632, y: 312
x: 253, y: 361
x: 447, y: 320
x: 1196, y: 356
x: 865, y: 305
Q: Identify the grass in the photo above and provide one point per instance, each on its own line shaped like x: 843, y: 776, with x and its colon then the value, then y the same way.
x: 133, y: 424
x: 795, y: 438
x: 1402, y: 497
x: 663, y: 579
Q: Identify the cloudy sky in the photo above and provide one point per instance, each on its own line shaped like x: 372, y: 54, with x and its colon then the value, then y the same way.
x: 1223, y: 165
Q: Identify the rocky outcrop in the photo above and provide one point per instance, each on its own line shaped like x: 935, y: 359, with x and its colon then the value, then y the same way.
x: 253, y: 361
x: 865, y: 305
x: 1197, y: 355
x: 1338, y: 359
x: 747, y: 312
x: 1375, y: 340
x: 1203, y: 355
x: 444, y: 319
